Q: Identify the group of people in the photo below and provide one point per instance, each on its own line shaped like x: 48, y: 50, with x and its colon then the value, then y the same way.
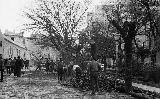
x: 63, y: 71
x: 48, y: 64
x: 12, y: 66
x: 75, y: 71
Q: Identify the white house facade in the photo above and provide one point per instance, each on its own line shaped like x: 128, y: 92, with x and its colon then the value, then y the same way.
x: 11, y: 49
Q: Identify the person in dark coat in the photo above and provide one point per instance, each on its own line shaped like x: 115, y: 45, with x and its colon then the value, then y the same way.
x: 22, y: 63
x: 78, y: 72
x: 7, y: 65
x: 47, y: 64
x: 70, y: 69
x: 1, y: 67
x: 52, y: 66
x: 26, y: 63
x: 65, y: 72
x: 13, y: 64
x: 18, y: 66
x: 60, y: 70
x: 94, y: 68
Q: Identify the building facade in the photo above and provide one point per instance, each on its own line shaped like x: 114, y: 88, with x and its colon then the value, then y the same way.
x: 39, y: 52
x: 14, y: 45
x: 10, y: 49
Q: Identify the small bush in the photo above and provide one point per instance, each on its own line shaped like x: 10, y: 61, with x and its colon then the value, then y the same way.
x: 151, y: 72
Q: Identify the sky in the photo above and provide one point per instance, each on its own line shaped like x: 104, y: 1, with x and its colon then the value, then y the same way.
x: 11, y: 13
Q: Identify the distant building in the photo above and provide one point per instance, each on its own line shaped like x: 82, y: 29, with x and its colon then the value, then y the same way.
x: 38, y: 51
x: 10, y: 48
x: 13, y: 45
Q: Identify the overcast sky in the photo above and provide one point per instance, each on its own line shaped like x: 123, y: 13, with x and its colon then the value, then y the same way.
x: 11, y: 13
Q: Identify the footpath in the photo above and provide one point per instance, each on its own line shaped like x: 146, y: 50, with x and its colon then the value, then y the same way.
x: 42, y: 86
x: 145, y: 87
x: 141, y: 86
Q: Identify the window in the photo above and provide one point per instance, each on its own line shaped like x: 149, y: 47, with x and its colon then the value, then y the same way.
x: 12, y: 38
x: 0, y: 43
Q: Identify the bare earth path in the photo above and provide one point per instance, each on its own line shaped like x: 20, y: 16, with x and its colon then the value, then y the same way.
x: 37, y: 85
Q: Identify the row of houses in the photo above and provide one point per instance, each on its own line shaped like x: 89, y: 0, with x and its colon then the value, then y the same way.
x: 14, y: 45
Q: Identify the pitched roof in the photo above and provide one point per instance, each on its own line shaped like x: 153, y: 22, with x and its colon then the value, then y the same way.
x: 13, y: 42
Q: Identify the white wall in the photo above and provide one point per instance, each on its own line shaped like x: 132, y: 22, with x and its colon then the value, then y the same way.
x: 11, y: 50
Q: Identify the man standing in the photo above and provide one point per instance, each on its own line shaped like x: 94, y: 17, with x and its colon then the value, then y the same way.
x: 52, y: 66
x: 70, y: 70
x: 94, y: 68
x: 25, y: 63
x: 8, y: 66
x: 13, y: 64
x: 18, y: 66
x: 77, y: 70
x: 65, y: 72
x: 39, y: 65
x: 47, y: 64
x: 1, y: 67
x: 60, y: 70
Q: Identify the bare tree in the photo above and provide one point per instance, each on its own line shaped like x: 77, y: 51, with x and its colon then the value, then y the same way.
x: 57, y: 22
x: 128, y: 18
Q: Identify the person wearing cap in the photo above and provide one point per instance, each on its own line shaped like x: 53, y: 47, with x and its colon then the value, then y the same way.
x: 94, y: 68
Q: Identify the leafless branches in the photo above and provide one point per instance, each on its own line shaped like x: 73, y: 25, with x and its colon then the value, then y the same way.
x: 58, y: 21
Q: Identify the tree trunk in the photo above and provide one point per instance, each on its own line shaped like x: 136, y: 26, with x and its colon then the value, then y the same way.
x: 93, y: 51
x: 128, y: 33
x: 128, y: 59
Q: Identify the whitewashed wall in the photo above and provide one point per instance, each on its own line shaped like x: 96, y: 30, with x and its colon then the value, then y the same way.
x: 12, y: 50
